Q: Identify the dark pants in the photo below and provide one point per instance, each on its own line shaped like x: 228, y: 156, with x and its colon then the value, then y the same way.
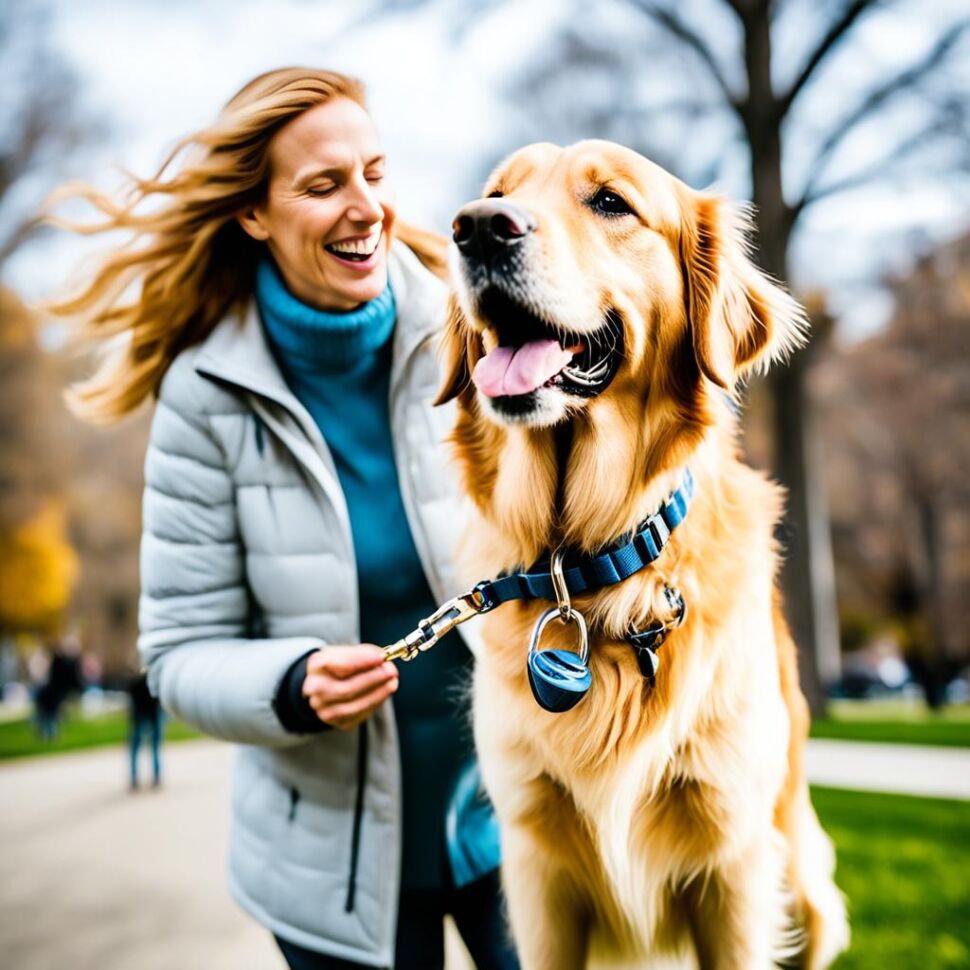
x: 152, y: 726
x: 477, y: 910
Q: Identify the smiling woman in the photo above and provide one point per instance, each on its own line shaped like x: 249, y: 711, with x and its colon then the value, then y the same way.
x: 328, y: 212
x: 297, y: 516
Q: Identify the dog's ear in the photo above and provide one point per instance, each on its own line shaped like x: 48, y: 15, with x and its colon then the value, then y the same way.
x: 739, y: 318
x: 459, y: 349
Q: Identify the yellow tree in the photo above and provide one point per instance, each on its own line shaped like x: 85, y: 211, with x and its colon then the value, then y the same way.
x: 38, y: 568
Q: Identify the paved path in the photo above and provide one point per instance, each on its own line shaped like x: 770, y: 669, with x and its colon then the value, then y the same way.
x: 92, y: 878
x: 904, y: 768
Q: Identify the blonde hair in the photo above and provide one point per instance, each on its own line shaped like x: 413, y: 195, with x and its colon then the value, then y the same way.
x: 189, y: 259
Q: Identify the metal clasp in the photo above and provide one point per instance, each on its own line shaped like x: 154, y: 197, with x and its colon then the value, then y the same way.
x: 573, y: 616
x: 559, y: 586
x: 430, y: 630
x: 564, y: 611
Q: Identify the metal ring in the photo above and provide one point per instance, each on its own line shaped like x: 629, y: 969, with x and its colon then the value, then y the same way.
x: 573, y: 616
x: 559, y: 586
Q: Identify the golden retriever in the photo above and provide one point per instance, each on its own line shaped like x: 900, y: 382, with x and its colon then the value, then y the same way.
x: 648, y: 823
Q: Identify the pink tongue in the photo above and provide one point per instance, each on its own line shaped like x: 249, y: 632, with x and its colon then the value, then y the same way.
x: 511, y: 370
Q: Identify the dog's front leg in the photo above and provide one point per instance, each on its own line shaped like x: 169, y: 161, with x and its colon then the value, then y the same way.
x: 737, y: 913
x: 549, y: 924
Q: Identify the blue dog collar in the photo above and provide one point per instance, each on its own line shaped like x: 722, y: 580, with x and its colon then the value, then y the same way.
x: 585, y: 573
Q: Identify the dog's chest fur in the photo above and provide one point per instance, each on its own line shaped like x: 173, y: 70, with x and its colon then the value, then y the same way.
x: 635, y: 791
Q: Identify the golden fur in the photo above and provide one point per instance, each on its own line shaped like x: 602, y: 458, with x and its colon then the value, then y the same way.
x: 645, y: 824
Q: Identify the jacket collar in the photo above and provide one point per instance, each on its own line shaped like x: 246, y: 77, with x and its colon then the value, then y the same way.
x: 238, y: 353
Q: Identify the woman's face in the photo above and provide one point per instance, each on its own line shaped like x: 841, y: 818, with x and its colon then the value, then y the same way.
x: 328, y: 211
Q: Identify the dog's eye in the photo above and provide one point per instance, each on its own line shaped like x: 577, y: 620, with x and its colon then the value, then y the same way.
x: 610, y: 203
x: 494, y: 195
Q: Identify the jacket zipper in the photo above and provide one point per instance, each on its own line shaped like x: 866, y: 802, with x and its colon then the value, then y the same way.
x: 258, y: 428
x: 358, y: 816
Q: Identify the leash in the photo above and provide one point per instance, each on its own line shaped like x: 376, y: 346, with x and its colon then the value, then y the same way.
x: 562, y: 677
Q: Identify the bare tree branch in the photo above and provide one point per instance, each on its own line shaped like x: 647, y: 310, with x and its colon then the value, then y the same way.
x: 875, y: 100
x: 873, y: 171
x: 40, y: 123
x: 673, y: 24
x: 835, y: 33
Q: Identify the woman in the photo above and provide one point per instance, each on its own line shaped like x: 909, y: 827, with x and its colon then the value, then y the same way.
x: 290, y: 341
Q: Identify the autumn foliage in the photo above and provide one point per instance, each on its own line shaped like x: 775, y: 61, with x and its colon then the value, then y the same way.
x: 38, y: 568
x: 70, y: 500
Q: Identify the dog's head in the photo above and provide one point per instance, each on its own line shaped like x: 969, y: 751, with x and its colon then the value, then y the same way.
x: 587, y: 272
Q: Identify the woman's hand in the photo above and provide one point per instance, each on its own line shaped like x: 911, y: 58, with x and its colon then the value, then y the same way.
x: 345, y: 685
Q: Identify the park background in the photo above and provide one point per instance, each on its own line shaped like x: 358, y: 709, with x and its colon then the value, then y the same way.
x: 847, y: 122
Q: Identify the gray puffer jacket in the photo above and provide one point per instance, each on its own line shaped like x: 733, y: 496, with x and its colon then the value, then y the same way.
x: 247, y: 563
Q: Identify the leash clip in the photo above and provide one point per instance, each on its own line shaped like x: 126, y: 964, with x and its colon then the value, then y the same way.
x: 566, y: 610
x: 430, y: 630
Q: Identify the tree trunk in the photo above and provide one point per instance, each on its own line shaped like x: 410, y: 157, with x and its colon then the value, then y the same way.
x: 807, y: 575
x: 929, y: 572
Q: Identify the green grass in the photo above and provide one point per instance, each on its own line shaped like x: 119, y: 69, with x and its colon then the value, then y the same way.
x: 950, y: 734
x: 895, y: 721
x: 904, y: 865
x: 19, y: 739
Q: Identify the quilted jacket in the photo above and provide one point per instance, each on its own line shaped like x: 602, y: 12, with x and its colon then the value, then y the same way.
x: 247, y: 563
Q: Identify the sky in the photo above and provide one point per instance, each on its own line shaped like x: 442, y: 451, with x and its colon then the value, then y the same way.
x: 150, y: 72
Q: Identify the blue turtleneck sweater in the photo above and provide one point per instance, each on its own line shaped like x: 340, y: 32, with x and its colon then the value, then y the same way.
x: 339, y: 365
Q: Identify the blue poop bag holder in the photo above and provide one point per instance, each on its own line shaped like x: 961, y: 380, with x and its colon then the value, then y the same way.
x: 559, y: 678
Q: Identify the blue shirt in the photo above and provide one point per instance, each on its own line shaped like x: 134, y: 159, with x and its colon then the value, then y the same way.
x: 338, y: 365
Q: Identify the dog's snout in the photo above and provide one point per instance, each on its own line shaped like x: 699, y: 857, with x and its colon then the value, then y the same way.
x: 490, y: 225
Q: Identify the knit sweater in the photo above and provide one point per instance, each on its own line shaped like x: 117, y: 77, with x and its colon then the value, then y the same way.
x: 338, y: 366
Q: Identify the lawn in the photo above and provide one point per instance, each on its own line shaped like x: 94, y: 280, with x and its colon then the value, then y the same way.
x: 18, y: 738
x: 904, y: 865
x: 895, y: 721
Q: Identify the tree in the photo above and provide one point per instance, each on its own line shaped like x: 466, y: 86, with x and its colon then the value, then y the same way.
x: 69, y: 495
x: 70, y: 498
x: 39, y: 127
x: 630, y: 69
x: 901, y: 462
x: 38, y: 568
x: 32, y: 447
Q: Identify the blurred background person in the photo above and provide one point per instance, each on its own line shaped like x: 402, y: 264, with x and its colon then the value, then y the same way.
x: 145, y: 718
x: 63, y: 679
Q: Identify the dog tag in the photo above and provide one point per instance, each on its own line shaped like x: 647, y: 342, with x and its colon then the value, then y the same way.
x: 559, y: 678
x: 649, y: 663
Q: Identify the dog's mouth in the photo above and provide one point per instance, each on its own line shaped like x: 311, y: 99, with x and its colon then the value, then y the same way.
x: 533, y: 355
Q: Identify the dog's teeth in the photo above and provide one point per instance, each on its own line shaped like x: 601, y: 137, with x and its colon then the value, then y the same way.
x: 588, y: 377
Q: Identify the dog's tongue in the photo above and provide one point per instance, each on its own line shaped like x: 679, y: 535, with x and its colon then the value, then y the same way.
x: 518, y: 370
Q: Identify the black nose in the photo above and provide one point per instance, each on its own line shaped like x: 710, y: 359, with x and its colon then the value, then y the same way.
x: 490, y: 226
